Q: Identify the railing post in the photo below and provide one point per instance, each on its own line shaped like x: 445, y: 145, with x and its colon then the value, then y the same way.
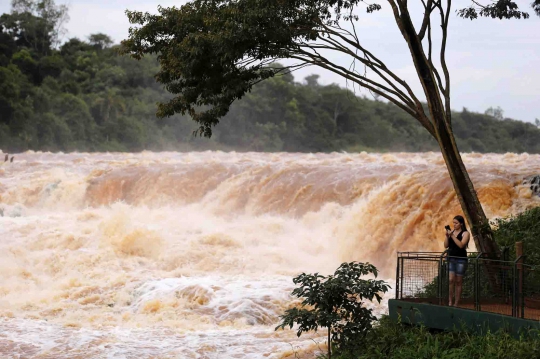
x: 476, y: 285
x: 505, y: 253
x: 522, y: 291
x: 447, y: 280
x: 444, y: 278
x: 513, y: 296
x: 440, y: 279
x: 519, y: 256
x: 397, y: 277
x: 401, y: 280
x: 516, y: 288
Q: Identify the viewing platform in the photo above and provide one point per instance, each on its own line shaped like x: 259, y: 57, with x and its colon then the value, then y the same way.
x: 497, y: 293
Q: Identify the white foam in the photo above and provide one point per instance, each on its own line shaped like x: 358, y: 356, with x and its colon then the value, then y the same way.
x: 39, y: 339
x: 228, y: 298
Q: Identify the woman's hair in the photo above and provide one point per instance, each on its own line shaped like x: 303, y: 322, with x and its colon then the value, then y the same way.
x: 461, y: 221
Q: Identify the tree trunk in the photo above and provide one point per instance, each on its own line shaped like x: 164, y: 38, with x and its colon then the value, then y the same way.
x: 329, y: 345
x: 472, y: 209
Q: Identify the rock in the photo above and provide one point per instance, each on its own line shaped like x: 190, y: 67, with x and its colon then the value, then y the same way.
x: 534, y: 183
x: 15, y: 211
x: 48, y: 189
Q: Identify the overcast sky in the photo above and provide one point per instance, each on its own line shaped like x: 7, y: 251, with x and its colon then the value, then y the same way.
x: 492, y: 62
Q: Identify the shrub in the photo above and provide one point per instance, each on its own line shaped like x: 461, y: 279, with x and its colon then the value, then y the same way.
x: 391, y: 340
x: 524, y: 227
x: 335, y: 302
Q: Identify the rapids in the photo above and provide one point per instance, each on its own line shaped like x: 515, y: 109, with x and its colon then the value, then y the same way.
x: 191, y: 255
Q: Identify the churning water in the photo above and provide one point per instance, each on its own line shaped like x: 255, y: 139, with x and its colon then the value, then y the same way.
x: 191, y: 255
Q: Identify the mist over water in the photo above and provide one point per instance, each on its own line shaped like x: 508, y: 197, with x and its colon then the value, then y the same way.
x: 191, y: 255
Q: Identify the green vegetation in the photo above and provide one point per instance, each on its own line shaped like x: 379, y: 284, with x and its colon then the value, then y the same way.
x: 390, y: 340
x: 336, y: 302
x: 83, y: 96
x: 524, y: 227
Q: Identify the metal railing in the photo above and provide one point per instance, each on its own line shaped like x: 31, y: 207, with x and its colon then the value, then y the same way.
x: 504, y: 286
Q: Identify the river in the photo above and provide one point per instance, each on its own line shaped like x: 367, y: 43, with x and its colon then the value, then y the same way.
x: 191, y: 255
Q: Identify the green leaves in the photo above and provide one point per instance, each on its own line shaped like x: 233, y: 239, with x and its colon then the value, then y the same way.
x: 390, y: 340
x: 524, y: 227
x: 212, y: 52
x: 336, y: 302
x: 501, y: 9
x: 373, y: 7
x: 536, y: 6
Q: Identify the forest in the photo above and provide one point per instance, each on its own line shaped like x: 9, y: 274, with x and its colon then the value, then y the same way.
x: 81, y: 95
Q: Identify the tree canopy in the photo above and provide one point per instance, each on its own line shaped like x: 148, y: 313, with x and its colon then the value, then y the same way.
x: 212, y: 52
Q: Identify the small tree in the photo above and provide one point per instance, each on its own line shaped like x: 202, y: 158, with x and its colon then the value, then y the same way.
x: 41, y: 21
x: 497, y: 113
x: 100, y: 41
x: 336, y: 302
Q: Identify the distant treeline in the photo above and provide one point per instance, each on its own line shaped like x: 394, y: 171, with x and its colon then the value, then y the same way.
x: 82, y: 96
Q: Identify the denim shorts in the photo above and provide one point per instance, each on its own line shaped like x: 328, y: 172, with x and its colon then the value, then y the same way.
x: 457, y: 265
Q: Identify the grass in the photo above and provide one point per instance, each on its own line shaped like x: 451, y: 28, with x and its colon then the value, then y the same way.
x: 391, y: 340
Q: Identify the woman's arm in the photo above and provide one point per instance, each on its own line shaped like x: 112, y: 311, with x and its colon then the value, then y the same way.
x: 446, y: 239
x: 464, y: 240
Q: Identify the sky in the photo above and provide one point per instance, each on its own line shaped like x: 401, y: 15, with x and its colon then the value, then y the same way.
x: 492, y: 62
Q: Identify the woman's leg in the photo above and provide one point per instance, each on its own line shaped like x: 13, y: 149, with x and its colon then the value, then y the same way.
x: 459, y: 283
x: 461, y: 268
x: 451, y: 280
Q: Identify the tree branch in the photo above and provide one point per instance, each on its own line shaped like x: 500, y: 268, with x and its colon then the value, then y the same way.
x: 319, y: 57
x: 425, y: 23
x: 360, y: 80
x: 373, y: 62
x: 430, y: 60
x: 370, y: 85
x: 430, y: 45
x: 444, y: 26
x: 396, y: 91
x: 397, y: 17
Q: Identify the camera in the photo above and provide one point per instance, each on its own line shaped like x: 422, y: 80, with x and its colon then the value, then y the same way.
x: 447, y: 227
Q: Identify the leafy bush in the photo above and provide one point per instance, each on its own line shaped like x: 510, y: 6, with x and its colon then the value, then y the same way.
x: 524, y: 227
x: 335, y: 302
x: 391, y: 340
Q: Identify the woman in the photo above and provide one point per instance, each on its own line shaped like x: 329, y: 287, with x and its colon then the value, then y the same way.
x: 456, y: 241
